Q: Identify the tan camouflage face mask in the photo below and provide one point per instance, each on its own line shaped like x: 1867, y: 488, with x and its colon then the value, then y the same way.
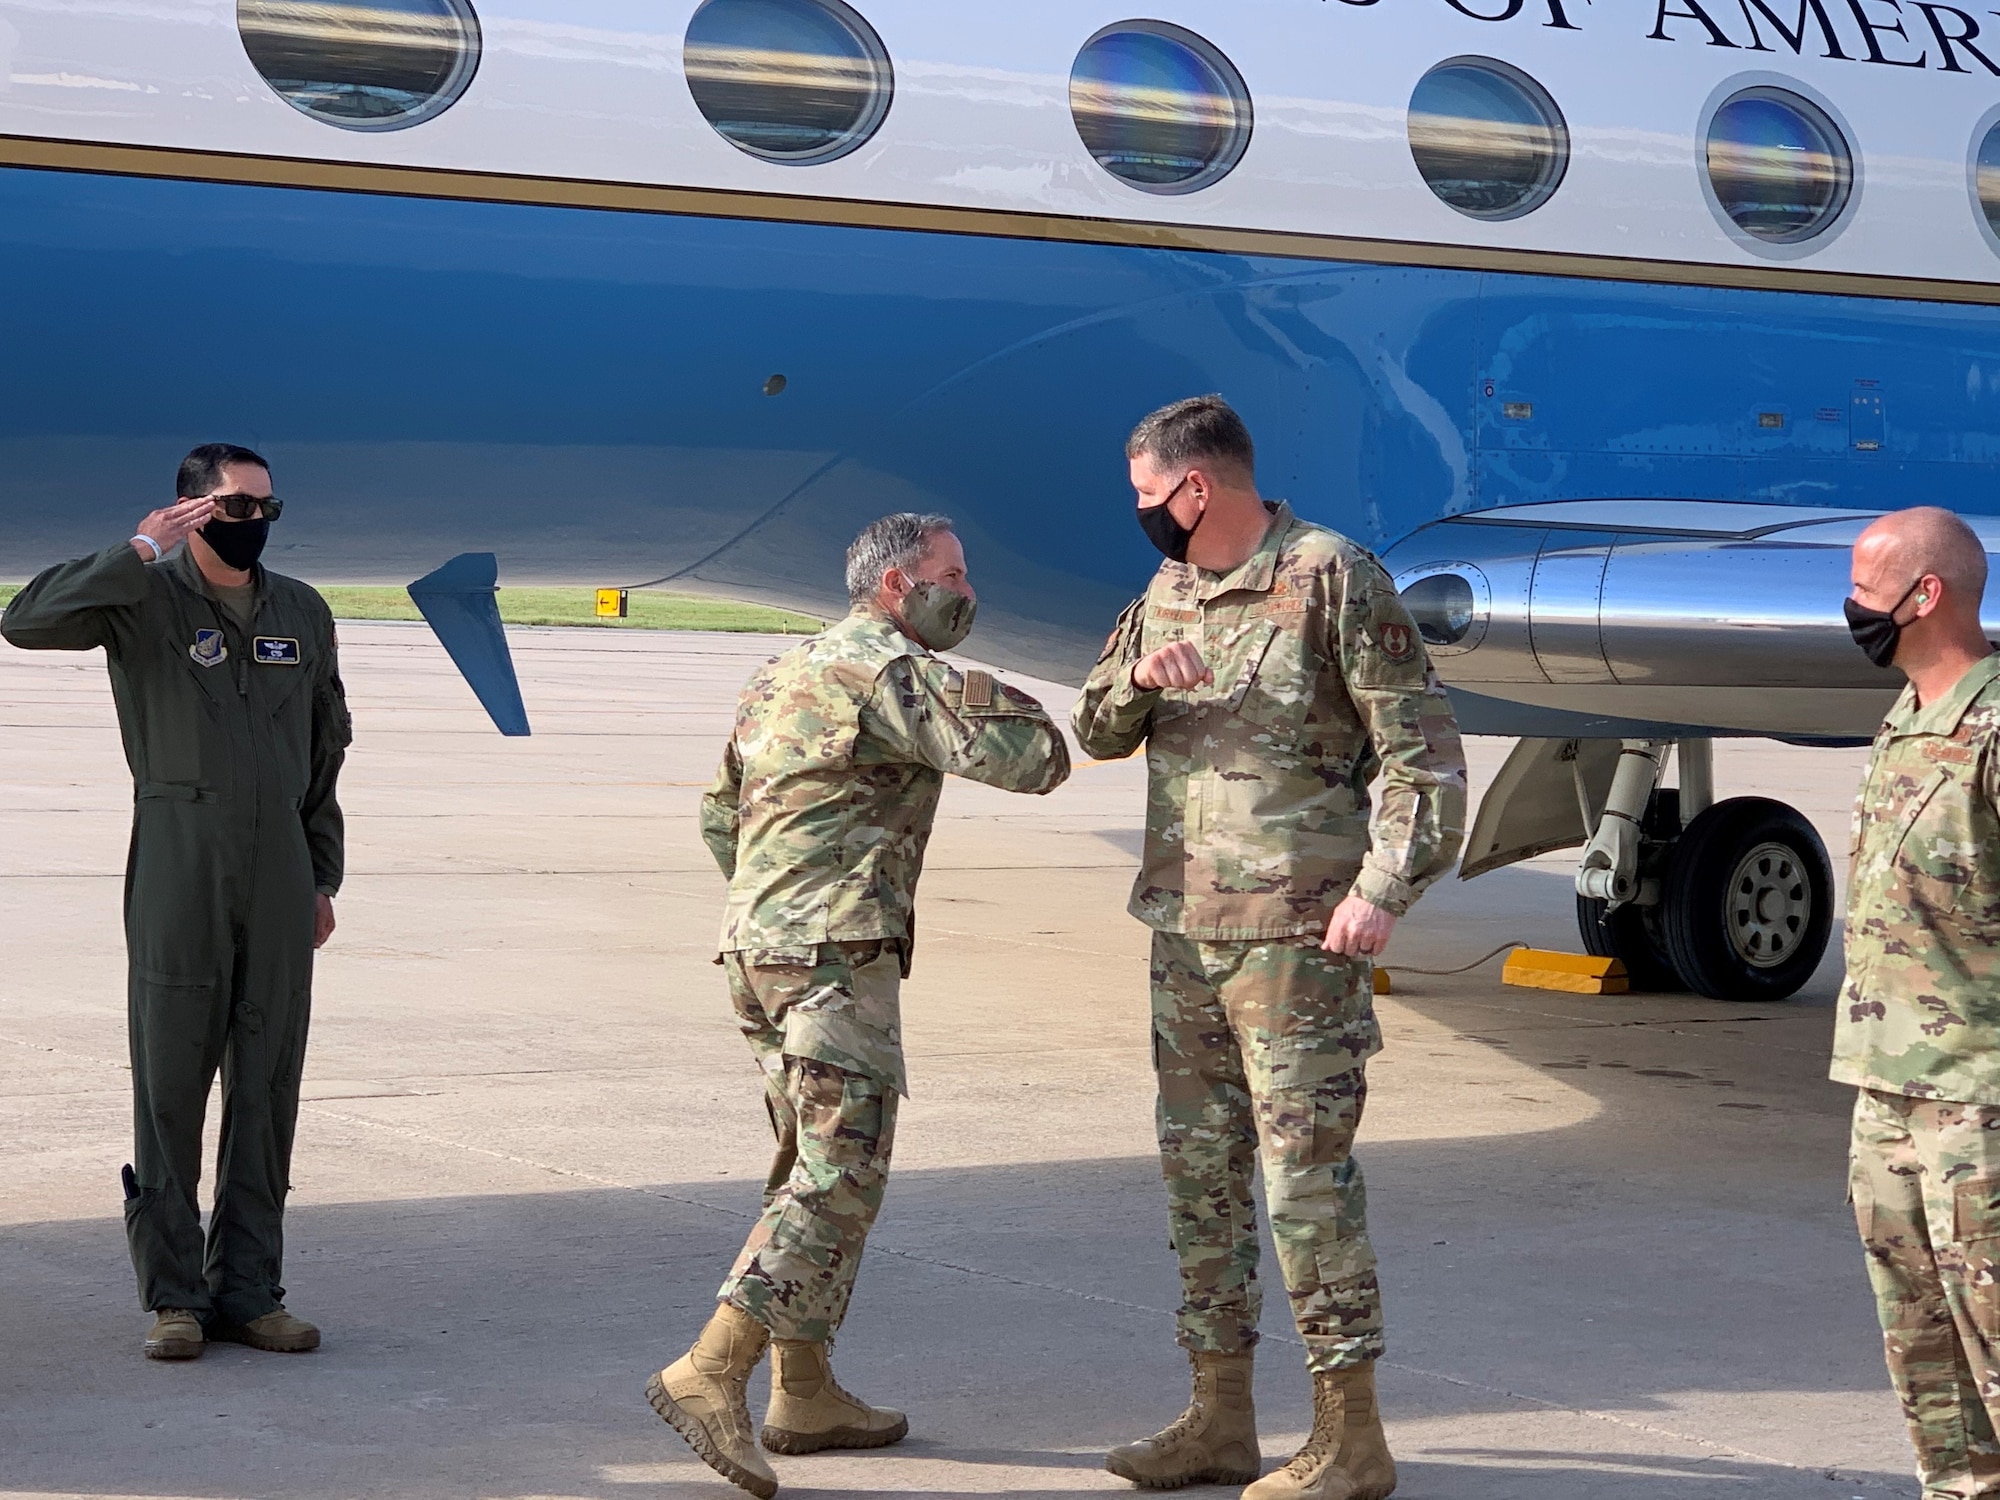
x: 937, y: 616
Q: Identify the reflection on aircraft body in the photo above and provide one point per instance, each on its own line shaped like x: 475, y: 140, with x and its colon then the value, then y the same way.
x: 1606, y: 328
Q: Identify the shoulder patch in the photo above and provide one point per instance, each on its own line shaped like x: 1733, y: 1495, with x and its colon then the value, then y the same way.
x: 1398, y: 641
x: 1389, y: 628
x: 978, y: 689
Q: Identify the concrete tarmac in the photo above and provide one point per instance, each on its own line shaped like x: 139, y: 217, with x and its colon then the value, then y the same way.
x: 1615, y: 1251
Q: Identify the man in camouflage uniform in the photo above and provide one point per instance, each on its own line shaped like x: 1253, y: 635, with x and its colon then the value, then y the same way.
x: 1918, y: 1024
x: 1271, y: 673
x: 819, y: 818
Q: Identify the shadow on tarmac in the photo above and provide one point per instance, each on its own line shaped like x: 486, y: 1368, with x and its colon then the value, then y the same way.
x: 497, y: 1345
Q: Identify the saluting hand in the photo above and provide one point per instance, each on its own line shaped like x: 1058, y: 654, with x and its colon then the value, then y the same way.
x: 1175, y: 665
x: 171, y: 527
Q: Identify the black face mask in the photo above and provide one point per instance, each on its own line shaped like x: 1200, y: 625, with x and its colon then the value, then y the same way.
x: 238, y: 543
x: 1158, y: 522
x: 1875, y: 631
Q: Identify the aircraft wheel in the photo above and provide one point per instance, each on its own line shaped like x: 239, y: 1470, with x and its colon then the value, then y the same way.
x: 1748, y: 903
x: 1631, y: 934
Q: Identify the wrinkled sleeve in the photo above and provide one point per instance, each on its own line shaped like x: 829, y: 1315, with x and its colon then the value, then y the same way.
x: 76, y: 606
x: 722, y: 812
x: 1412, y: 735
x: 332, y: 733
x: 1114, y: 715
x: 966, y: 724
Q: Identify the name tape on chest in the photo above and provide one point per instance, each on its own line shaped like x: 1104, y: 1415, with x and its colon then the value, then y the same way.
x: 275, y: 651
x: 210, y: 649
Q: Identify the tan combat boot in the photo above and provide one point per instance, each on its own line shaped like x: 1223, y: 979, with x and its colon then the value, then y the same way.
x: 810, y: 1412
x: 277, y: 1332
x: 703, y: 1395
x: 1213, y: 1442
x: 1347, y: 1456
x: 176, y: 1334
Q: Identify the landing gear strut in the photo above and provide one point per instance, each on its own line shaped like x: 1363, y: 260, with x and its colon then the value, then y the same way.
x: 1733, y: 900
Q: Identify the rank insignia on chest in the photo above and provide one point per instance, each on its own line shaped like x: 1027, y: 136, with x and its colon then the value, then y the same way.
x: 276, y: 651
x: 209, y: 649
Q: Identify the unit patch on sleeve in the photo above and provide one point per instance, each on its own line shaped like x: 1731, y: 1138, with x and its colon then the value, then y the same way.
x: 276, y: 651
x: 1390, y: 627
x: 209, y: 649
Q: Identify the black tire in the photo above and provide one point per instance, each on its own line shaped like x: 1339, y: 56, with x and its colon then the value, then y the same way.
x: 1747, y: 907
x: 1631, y: 935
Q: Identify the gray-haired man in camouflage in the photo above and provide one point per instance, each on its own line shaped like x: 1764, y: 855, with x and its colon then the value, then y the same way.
x: 1918, y: 1024
x: 1272, y: 674
x: 819, y: 817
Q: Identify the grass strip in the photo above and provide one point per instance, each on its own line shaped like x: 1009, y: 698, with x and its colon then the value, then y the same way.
x: 553, y: 606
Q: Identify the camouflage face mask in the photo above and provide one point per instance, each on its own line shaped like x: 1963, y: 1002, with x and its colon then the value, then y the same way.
x: 937, y: 616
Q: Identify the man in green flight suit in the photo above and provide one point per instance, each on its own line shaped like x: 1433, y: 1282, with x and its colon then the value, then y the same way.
x: 1917, y: 1026
x: 1271, y: 673
x: 235, y: 725
x: 819, y: 817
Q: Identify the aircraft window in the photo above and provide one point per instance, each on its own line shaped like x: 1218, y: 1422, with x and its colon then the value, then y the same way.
x: 1443, y: 606
x: 363, y: 64
x: 794, y: 81
x: 1487, y: 138
x: 1158, y: 107
x: 1986, y: 177
x: 1780, y: 167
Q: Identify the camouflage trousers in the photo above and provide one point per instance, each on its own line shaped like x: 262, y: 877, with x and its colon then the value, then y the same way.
x: 1925, y: 1178
x: 1259, y: 1048
x: 835, y: 1129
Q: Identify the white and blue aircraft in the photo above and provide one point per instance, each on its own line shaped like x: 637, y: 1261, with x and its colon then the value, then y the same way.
x: 1608, y: 322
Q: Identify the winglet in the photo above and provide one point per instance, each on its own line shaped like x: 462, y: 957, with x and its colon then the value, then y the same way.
x: 458, y: 601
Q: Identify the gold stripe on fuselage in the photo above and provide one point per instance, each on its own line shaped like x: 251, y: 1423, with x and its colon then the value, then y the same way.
x: 245, y: 170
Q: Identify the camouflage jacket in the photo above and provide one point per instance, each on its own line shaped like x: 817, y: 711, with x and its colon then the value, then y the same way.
x: 829, y: 786
x: 1920, y: 1011
x: 1258, y: 804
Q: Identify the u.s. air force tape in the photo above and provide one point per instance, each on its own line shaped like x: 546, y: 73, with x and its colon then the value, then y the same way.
x: 978, y: 689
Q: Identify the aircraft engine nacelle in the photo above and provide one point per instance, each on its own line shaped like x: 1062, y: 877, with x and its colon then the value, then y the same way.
x: 1698, y: 617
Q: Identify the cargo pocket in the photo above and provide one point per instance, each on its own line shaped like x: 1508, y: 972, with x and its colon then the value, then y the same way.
x: 1975, y: 1208
x: 1311, y: 1105
x: 1861, y: 1199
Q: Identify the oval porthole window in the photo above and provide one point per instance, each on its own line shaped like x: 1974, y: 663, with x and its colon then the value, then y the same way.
x: 1780, y: 168
x: 1442, y: 606
x: 1986, y: 179
x: 795, y: 81
x: 1487, y: 138
x: 363, y: 64
x: 1158, y: 107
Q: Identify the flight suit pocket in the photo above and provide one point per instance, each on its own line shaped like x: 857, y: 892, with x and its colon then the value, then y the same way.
x: 177, y: 1023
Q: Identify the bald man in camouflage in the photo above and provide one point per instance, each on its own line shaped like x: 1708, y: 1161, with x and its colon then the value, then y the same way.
x: 1917, y: 1029
x: 819, y: 818
x: 1272, y: 674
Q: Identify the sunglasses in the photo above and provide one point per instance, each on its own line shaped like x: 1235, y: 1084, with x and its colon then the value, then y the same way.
x: 244, y: 507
